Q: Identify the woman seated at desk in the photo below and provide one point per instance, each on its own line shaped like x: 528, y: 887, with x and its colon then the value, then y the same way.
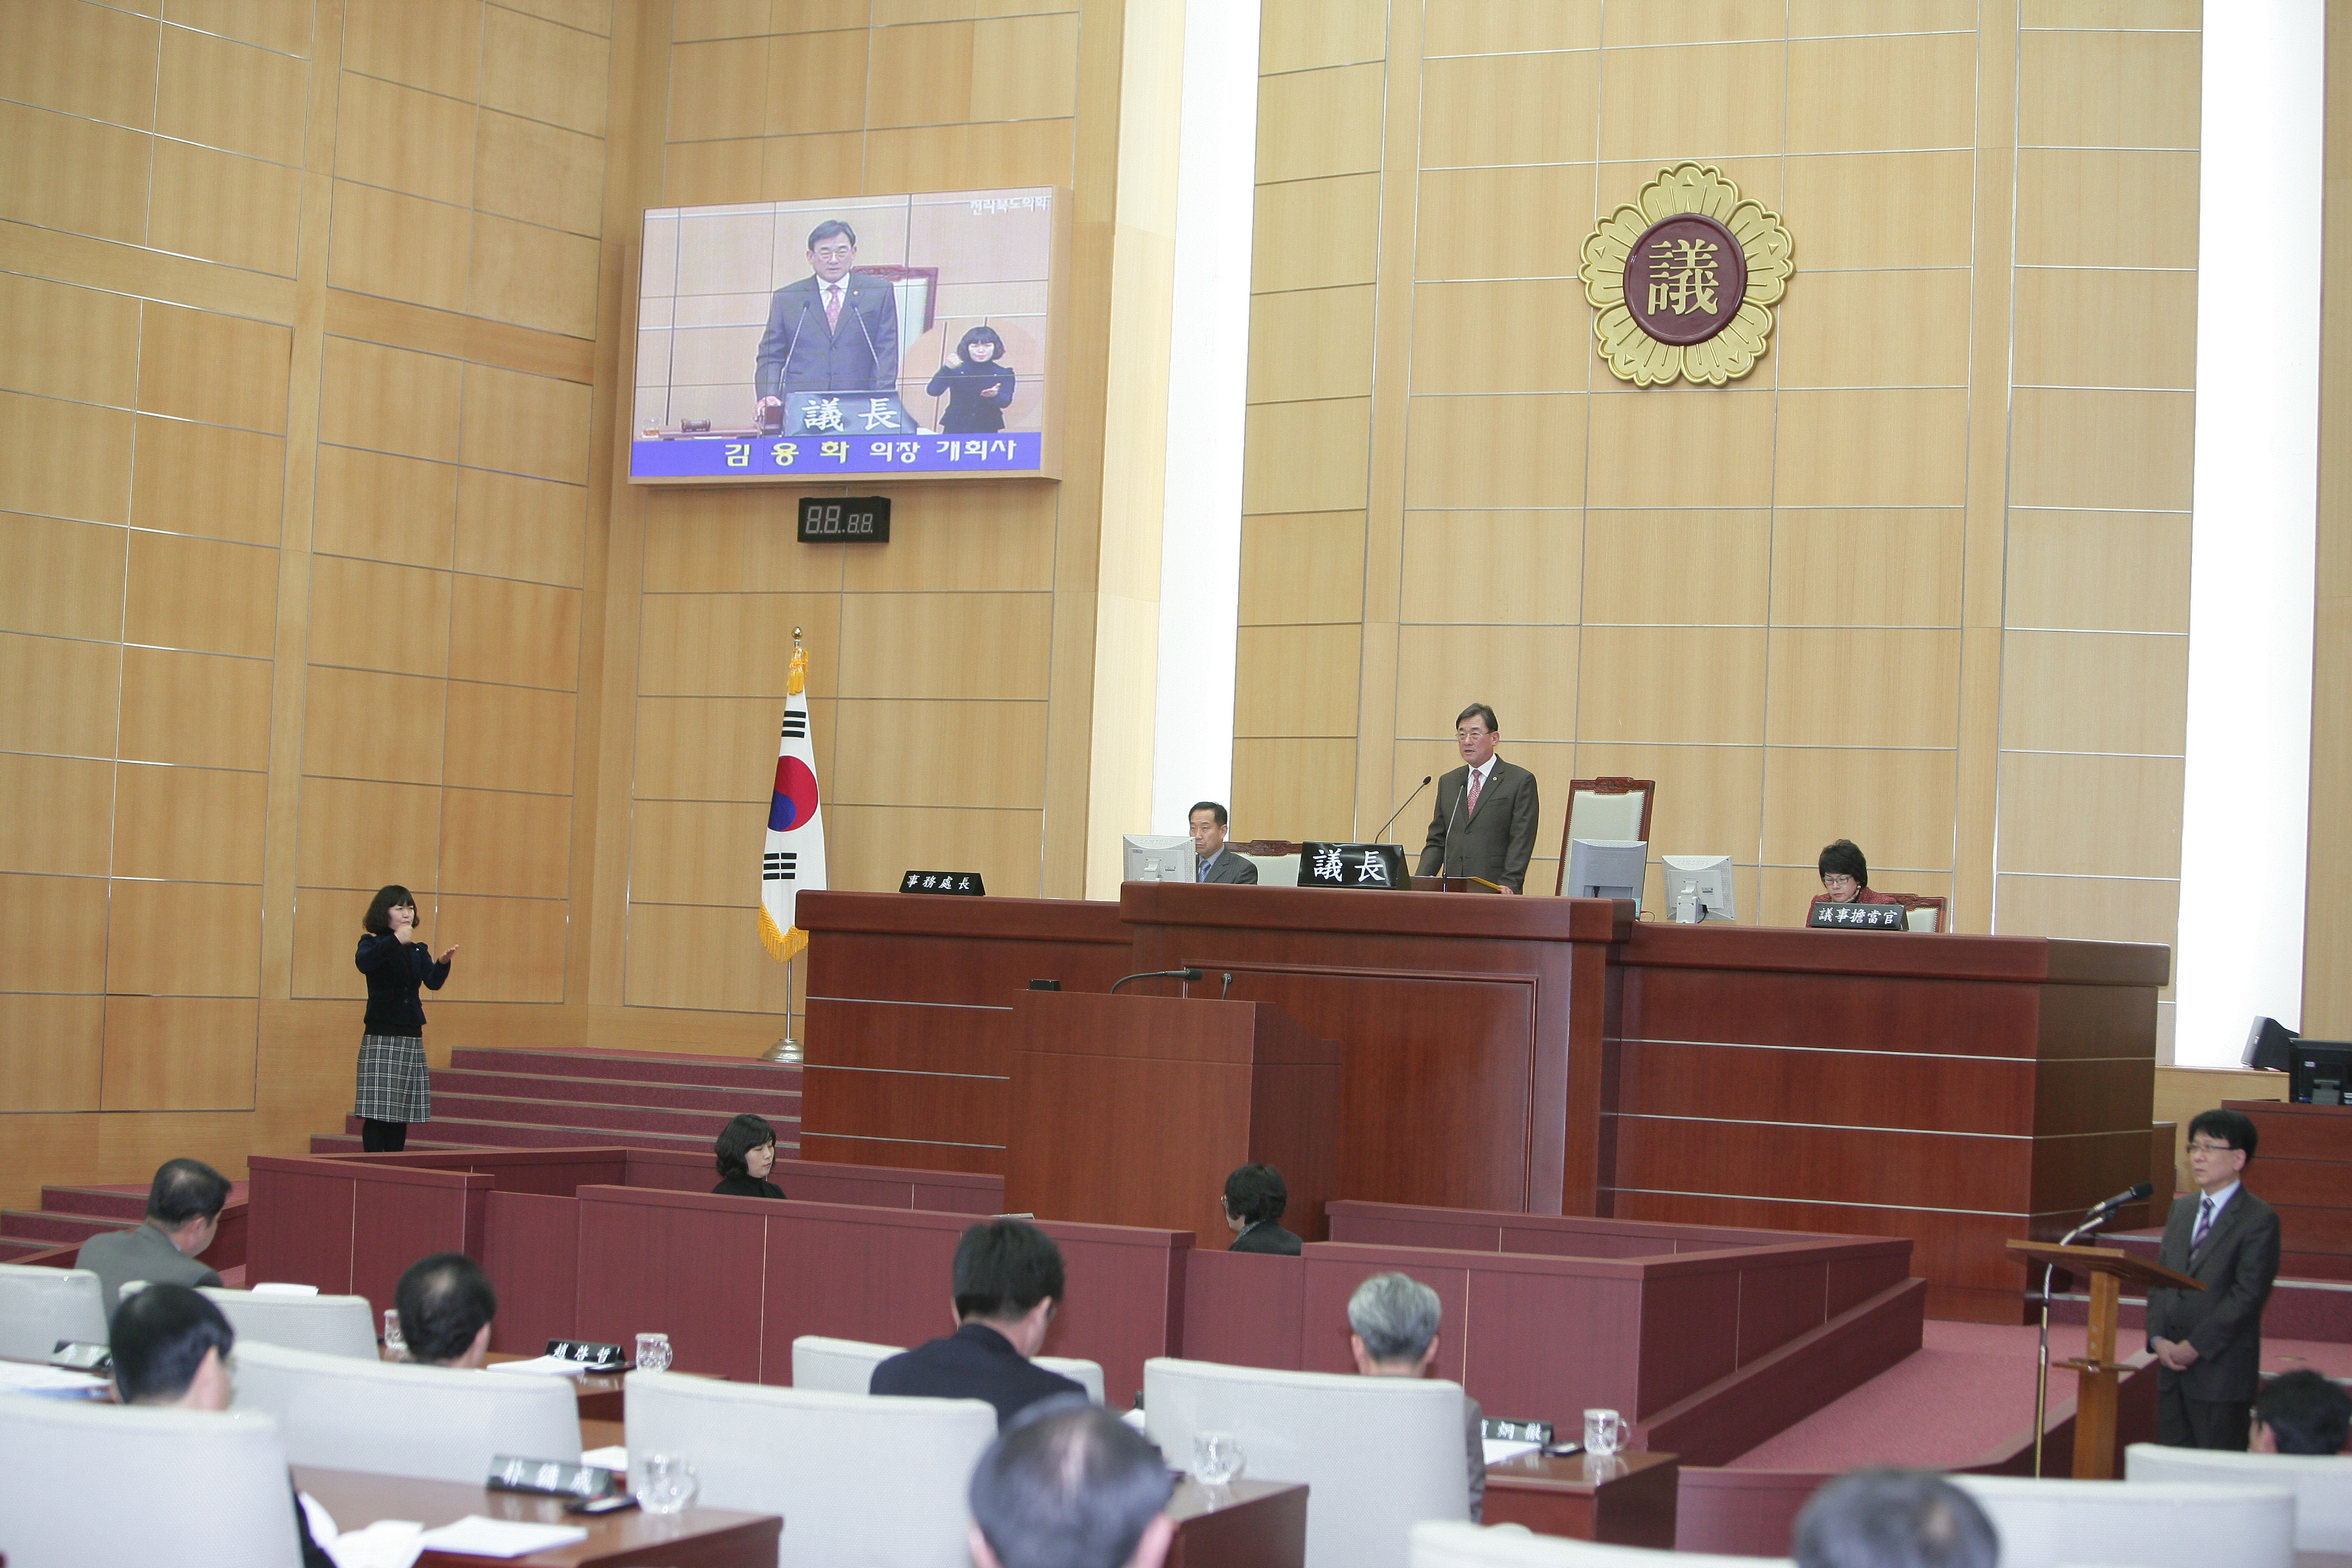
x: 1845, y: 878
x: 747, y: 1153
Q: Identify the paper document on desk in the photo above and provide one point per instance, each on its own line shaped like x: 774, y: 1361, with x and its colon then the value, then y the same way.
x: 57, y: 1381
x: 544, y: 1365
x: 474, y: 1536
x: 1498, y: 1450
x: 615, y: 1458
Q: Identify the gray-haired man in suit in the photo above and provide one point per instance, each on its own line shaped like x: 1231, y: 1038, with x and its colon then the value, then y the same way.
x: 1216, y: 863
x: 2208, y: 1343
x: 1485, y: 824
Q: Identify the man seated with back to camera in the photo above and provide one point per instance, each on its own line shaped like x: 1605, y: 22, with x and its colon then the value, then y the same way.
x: 184, y: 1209
x: 171, y: 1350
x: 1008, y: 1280
x: 1070, y: 1485
x: 445, y: 1307
x: 1393, y: 1320
x: 2302, y: 1412
x: 1894, y: 1519
x: 1255, y: 1196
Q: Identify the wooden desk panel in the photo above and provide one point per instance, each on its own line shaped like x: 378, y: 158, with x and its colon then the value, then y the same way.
x: 696, y: 1538
x: 1625, y: 1499
x: 1242, y: 1524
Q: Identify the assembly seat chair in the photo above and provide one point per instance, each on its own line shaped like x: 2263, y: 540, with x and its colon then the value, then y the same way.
x: 2052, y: 1523
x: 1377, y: 1454
x: 441, y: 1423
x: 846, y: 1366
x: 83, y: 1484
x: 331, y: 1325
x: 1442, y: 1545
x: 2322, y: 1484
x: 861, y: 1481
x: 38, y: 1307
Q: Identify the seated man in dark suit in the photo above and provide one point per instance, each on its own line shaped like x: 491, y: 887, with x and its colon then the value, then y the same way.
x: 1485, y: 822
x: 171, y: 1350
x: 445, y: 1307
x: 1255, y: 1196
x: 1008, y: 1280
x: 1216, y: 863
x: 2208, y: 1343
x: 2302, y: 1412
x: 1071, y: 1487
x: 183, y: 1206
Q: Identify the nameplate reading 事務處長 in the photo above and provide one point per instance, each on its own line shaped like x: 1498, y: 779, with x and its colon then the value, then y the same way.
x: 1859, y: 917
x: 965, y: 882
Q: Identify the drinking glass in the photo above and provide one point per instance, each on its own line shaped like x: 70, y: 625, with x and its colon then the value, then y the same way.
x: 395, y: 1348
x: 669, y: 1484
x: 1217, y: 1458
x: 1604, y: 1432
x: 653, y: 1352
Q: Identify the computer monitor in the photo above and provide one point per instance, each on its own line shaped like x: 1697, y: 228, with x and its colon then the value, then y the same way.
x: 1607, y: 869
x: 1705, y: 881
x: 2267, y: 1045
x: 2321, y: 1072
x: 1159, y: 858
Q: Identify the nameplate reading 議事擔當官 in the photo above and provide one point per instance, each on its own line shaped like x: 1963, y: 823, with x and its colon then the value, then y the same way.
x: 1859, y: 917
x: 965, y: 882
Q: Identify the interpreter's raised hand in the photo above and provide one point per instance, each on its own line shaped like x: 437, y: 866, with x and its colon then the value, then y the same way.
x: 446, y: 953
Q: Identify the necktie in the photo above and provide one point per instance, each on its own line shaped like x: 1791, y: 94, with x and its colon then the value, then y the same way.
x: 2204, y: 1224
x: 1477, y: 778
x: 833, y: 304
x: 1201, y: 874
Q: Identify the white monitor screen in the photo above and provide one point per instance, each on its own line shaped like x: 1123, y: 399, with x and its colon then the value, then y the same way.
x: 1159, y: 858
x: 1607, y: 869
x: 1705, y: 880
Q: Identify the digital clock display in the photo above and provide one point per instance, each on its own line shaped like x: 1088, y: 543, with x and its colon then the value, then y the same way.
x: 846, y: 520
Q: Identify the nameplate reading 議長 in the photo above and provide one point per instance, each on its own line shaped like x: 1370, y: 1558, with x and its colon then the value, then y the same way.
x: 1352, y: 866
x: 845, y: 520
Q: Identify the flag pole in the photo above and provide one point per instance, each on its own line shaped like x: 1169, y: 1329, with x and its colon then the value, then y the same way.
x: 788, y: 1049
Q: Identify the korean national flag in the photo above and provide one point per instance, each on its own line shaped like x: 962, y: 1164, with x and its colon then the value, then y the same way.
x: 795, y: 857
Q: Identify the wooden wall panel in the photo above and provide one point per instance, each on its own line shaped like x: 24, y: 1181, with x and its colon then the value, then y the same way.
x: 243, y: 212
x: 50, y: 1051
x: 55, y: 340
x: 192, y: 825
x: 72, y: 836
x: 149, y: 950
x: 180, y: 1053
x: 69, y: 577
x: 201, y: 479
x: 200, y: 594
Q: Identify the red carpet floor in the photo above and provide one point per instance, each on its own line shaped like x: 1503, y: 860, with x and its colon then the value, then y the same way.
x: 1964, y: 1395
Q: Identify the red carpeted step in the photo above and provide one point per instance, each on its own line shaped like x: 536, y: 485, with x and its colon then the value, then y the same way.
x: 709, y: 1099
x: 473, y: 1133
x: 703, y: 1124
x: 123, y: 1203
x: 53, y: 1229
x: 637, y: 1067
x: 349, y: 1143
x: 17, y: 1251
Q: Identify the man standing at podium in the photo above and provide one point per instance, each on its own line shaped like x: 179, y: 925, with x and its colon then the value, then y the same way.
x: 2208, y: 1343
x: 1485, y: 824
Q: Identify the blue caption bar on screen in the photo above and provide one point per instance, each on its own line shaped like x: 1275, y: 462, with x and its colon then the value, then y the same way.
x: 806, y: 457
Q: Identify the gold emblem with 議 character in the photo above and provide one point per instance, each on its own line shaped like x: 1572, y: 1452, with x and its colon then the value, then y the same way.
x: 1684, y: 279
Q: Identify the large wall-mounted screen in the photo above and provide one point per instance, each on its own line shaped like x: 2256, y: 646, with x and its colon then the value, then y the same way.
x: 804, y: 341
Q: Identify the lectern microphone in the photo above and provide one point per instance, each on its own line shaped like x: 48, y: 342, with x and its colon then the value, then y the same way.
x: 1157, y: 974
x: 1383, y: 835
x: 2128, y: 1196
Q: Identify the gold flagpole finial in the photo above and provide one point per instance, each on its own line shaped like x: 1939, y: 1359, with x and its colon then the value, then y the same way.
x: 796, y: 678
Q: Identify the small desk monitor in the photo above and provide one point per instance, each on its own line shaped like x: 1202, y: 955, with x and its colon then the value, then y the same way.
x: 1160, y: 858
x: 2320, y: 1072
x: 1705, y: 879
x: 2268, y: 1043
x: 1607, y: 869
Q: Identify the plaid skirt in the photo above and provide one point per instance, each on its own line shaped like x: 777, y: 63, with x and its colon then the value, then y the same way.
x: 393, y: 1083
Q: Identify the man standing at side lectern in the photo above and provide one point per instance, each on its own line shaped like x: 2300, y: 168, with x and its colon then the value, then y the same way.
x: 2208, y: 1343
x: 1485, y: 824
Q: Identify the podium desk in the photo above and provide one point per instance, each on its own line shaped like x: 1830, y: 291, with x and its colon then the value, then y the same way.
x: 695, y: 1537
x: 1960, y: 1090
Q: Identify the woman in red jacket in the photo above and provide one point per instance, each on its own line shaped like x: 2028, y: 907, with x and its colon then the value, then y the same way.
x: 1845, y: 878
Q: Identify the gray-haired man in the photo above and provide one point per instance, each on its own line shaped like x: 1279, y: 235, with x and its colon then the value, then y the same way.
x: 1394, y: 1319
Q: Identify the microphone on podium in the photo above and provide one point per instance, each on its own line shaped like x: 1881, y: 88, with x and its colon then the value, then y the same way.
x: 2128, y: 1196
x: 1187, y: 975
x: 1381, y: 836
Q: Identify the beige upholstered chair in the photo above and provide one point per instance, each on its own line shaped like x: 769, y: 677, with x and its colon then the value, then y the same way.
x: 860, y: 1481
x: 38, y: 1307
x: 83, y: 1484
x: 439, y: 1423
x: 1437, y: 1545
x: 331, y: 1325
x: 1379, y: 1454
x: 2049, y: 1524
x: 2322, y: 1485
x: 846, y: 1366
x: 1923, y: 911
x: 1609, y: 809
x: 1276, y: 860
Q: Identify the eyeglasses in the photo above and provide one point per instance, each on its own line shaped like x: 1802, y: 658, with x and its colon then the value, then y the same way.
x: 2197, y: 1148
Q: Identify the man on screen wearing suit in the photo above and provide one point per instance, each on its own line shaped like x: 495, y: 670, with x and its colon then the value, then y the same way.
x: 1216, y: 864
x: 1485, y: 824
x: 2208, y: 1343
x: 831, y: 331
